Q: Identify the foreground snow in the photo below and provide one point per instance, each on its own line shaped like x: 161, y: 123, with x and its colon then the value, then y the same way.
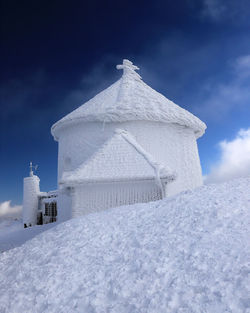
x: 189, y: 253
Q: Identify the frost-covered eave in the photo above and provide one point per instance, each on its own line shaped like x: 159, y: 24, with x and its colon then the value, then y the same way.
x: 49, y: 194
x: 72, y: 182
x: 199, y: 130
x: 200, y: 133
x: 42, y: 194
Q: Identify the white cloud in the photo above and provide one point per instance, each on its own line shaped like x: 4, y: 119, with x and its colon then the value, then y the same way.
x: 213, y: 9
x: 9, y: 211
x: 236, y: 12
x: 243, y: 61
x: 234, y: 160
x: 242, y: 66
x: 225, y: 97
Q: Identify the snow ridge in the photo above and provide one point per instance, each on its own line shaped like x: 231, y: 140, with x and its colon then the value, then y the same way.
x: 188, y: 253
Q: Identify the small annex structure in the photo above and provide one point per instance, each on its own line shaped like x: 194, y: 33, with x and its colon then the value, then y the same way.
x: 128, y: 144
x: 38, y: 207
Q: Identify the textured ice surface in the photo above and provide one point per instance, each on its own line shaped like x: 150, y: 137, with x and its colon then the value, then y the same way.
x: 161, y: 128
x: 120, y: 158
x: 13, y: 234
x: 188, y: 253
x: 31, y: 190
x: 171, y: 145
x: 130, y: 99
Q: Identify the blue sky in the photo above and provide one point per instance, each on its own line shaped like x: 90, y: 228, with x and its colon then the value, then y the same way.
x: 55, y: 55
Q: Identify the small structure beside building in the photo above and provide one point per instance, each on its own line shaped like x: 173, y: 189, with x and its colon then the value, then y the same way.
x: 38, y: 207
x: 128, y: 144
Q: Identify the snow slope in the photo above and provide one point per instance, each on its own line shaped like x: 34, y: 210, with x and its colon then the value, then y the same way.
x: 13, y: 234
x: 188, y: 253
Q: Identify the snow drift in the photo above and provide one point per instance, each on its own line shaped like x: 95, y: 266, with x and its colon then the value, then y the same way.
x: 188, y: 253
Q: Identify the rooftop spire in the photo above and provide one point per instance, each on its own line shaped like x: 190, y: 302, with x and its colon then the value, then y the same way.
x: 128, y: 68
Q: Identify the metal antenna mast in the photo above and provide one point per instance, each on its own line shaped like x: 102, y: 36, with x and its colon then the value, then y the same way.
x: 31, y: 169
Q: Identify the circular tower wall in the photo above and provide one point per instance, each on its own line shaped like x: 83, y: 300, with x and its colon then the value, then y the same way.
x: 171, y: 144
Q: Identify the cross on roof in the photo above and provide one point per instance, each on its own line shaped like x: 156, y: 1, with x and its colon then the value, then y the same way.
x: 127, y: 67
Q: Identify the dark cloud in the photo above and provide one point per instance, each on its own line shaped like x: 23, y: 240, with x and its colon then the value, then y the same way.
x: 20, y: 94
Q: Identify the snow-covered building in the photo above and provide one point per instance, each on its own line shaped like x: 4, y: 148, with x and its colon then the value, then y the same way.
x: 38, y: 207
x: 128, y: 144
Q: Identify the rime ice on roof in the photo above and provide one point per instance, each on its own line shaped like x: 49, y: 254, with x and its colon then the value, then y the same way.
x: 130, y: 99
x: 128, y: 69
x: 127, y: 81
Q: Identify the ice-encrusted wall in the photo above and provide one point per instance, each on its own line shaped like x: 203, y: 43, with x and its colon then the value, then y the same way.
x: 89, y: 198
x: 172, y: 145
x: 31, y: 190
x: 64, y: 202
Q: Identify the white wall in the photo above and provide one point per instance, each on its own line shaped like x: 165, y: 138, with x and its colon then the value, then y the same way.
x: 90, y: 198
x: 31, y: 190
x: 171, y: 144
x: 64, y: 205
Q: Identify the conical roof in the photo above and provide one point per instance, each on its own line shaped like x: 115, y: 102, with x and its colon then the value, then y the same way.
x: 130, y: 99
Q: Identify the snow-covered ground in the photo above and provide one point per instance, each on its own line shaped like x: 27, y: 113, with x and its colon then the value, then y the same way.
x: 188, y: 253
x: 13, y: 234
